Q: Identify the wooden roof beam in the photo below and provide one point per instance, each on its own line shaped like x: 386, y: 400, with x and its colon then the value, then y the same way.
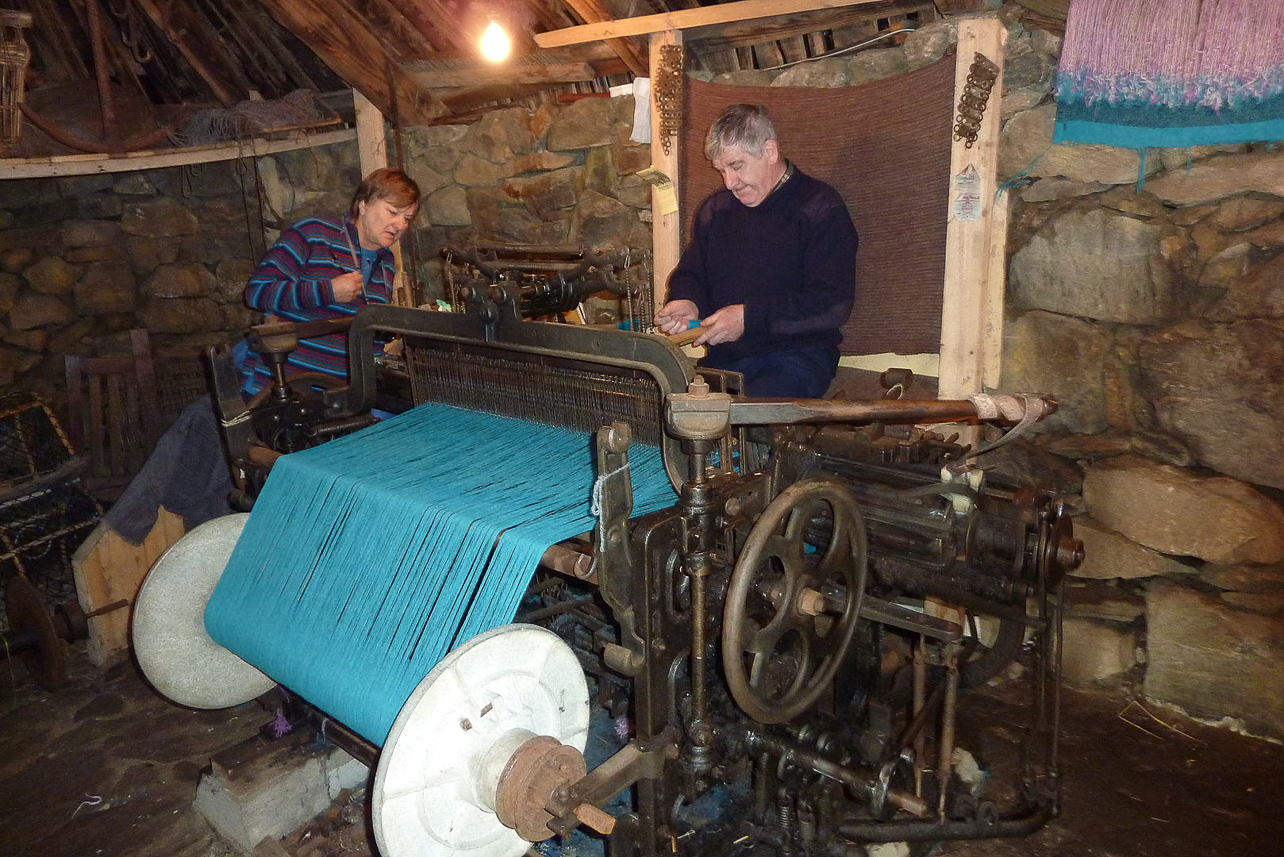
x: 593, y: 13
x: 688, y: 19
x: 344, y: 43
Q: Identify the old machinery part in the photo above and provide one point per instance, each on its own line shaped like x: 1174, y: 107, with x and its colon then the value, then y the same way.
x: 32, y: 634
x: 793, y: 601
x: 171, y: 644
x: 465, y: 760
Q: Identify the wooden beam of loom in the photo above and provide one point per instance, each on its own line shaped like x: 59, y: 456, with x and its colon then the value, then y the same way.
x: 593, y: 13
x: 344, y: 43
x: 687, y: 19
x: 972, y: 302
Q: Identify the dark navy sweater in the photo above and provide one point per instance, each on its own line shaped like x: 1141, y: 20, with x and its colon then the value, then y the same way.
x: 791, y: 260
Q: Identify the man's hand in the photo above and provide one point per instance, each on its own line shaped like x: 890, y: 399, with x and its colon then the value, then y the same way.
x: 675, y: 316
x: 725, y: 325
x: 347, y: 286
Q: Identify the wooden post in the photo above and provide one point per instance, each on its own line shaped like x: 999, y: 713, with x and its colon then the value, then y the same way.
x: 665, y: 227
x: 372, y: 152
x: 972, y: 304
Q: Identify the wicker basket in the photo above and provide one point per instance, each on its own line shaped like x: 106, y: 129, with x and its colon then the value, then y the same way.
x: 14, y: 56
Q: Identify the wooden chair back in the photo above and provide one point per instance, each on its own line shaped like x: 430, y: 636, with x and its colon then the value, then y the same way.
x: 113, y: 412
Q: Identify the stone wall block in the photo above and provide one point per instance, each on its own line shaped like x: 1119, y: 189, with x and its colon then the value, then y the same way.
x: 1246, y: 212
x: 181, y: 315
x: 10, y: 285
x: 1026, y: 143
x: 231, y: 276
x: 501, y: 134
x: 28, y: 340
x: 134, y: 184
x: 827, y: 73
x: 106, y: 287
x: 1216, y: 387
x: 437, y: 146
x: 1103, y: 602
x: 1212, y: 660
x: 1185, y: 157
x: 494, y: 219
x: 427, y: 178
x: 90, y: 233
x: 448, y: 207
x: 868, y: 66
x: 1222, y: 176
x: 1094, y: 651
x: 15, y: 362
x: 605, y: 222
x: 1244, y: 578
x: 15, y: 259
x: 1108, y: 555
x: 32, y: 239
x: 472, y: 171
x: 546, y: 192
x: 1180, y: 513
x: 539, y: 162
x: 1255, y: 293
x: 180, y: 281
x: 1048, y: 189
x: 584, y: 123
x: 745, y: 77
x: 33, y: 309
x: 1094, y: 264
x: 162, y: 218
x: 1049, y: 353
x: 1270, y: 235
x: 929, y: 43
x: 148, y: 253
x: 51, y: 276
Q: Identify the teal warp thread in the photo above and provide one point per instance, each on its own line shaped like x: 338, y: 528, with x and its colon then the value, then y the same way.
x: 368, y: 558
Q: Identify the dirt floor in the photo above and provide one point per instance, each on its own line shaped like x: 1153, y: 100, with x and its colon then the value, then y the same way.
x: 106, y: 767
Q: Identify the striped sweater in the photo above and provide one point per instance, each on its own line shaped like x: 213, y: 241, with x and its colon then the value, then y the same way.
x: 293, y: 283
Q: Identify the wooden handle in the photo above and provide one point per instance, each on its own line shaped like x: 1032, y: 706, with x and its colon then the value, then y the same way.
x: 685, y: 336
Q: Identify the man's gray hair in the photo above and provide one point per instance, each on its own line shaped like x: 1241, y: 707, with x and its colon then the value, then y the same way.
x: 746, y: 126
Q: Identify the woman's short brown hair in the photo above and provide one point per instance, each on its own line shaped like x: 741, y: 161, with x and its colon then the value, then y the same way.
x: 385, y: 183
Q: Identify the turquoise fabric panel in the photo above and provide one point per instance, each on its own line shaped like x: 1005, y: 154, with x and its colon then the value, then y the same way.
x: 368, y: 558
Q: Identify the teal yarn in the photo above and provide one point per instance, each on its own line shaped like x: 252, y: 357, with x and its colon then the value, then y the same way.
x: 368, y: 558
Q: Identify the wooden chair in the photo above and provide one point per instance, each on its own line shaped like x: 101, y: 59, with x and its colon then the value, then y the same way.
x: 113, y: 412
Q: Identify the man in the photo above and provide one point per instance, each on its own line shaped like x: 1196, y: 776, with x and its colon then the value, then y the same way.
x: 324, y: 268
x: 770, y: 271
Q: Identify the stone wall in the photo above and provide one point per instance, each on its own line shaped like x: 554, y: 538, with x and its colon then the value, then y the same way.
x: 84, y: 259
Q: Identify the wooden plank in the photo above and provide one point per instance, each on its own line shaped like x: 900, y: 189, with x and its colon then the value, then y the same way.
x: 107, y: 568
x: 207, y: 57
x: 517, y: 74
x: 686, y: 19
x: 343, y: 42
x: 372, y: 153
x: 592, y: 12
x: 746, y: 33
x: 665, y: 228
x: 969, y: 295
x: 82, y: 165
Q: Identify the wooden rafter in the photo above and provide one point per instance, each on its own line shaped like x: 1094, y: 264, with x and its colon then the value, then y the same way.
x: 343, y: 41
x: 208, y: 57
x: 688, y: 19
x: 593, y: 13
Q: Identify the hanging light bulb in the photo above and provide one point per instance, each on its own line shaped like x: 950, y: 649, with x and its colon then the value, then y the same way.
x: 494, y: 43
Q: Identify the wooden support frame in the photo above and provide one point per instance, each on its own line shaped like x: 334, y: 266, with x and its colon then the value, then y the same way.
x: 372, y: 154
x: 972, y: 302
x: 666, y: 239
x: 688, y: 19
